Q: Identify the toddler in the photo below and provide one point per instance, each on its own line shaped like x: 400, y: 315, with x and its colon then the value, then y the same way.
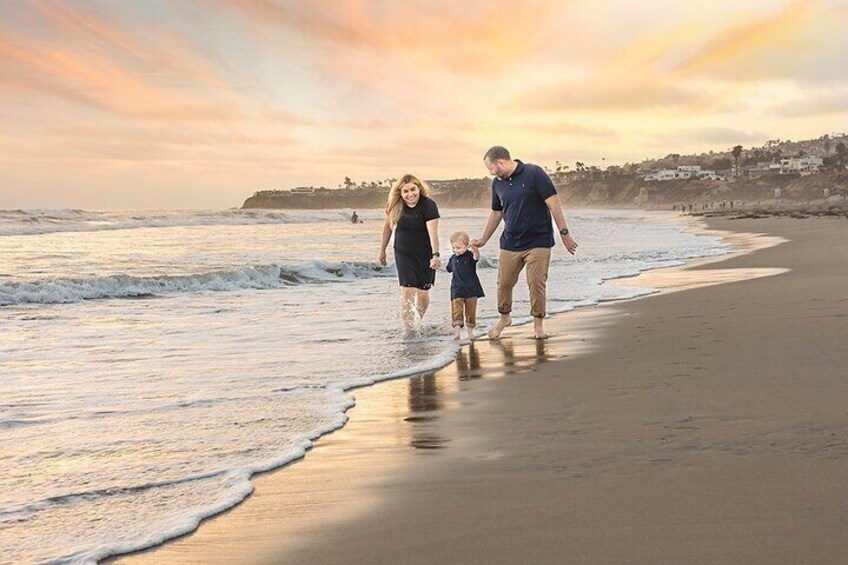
x: 465, y: 286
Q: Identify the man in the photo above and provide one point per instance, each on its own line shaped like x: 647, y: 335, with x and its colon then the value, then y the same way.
x: 524, y: 197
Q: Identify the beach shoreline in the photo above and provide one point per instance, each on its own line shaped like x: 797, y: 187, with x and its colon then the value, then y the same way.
x: 422, y: 408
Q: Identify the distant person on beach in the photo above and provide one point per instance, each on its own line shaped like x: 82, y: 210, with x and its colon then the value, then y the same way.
x: 524, y: 197
x: 414, y: 219
x: 465, y: 285
x: 354, y: 219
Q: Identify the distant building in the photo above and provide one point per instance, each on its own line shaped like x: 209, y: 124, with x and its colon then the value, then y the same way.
x: 709, y: 175
x: 303, y: 190
x: 763, y: 167
x: 682, y: 172
x: 802, y: 165
x: 665, y: 174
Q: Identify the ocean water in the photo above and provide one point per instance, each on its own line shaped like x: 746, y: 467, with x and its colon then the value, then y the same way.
x: 150, y: 362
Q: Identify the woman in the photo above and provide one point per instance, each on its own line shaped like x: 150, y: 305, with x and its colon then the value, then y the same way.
x: 414, y: 218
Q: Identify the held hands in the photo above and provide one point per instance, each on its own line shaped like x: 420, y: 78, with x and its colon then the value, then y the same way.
x: 476, y: 243
x: 569, y: 243
x: 435, y: 264
x: 382, y: 258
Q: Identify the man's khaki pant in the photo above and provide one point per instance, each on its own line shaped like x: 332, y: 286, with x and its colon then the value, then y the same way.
x: 464, y: 312
x: 510, y: 264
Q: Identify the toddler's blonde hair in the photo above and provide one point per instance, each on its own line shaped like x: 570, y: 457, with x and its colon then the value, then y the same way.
x: 460, y: 236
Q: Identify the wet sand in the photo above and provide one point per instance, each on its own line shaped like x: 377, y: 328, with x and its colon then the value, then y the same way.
x: 703, y: 426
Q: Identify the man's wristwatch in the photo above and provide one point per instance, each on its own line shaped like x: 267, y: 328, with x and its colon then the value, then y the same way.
x: 563, y: 231
x: 436, y: 254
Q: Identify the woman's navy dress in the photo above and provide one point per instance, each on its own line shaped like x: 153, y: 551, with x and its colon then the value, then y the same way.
x: 413, y: 251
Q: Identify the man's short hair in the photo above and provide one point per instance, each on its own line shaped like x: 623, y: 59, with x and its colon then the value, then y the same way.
x: 496, y: 153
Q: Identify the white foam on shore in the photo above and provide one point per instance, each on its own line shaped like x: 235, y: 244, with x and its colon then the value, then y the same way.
x: 240, y: 478
x: 64, y: 291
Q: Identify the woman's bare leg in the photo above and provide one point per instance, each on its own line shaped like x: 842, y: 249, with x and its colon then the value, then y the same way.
x: 407, y: 306
x: 423, y: 302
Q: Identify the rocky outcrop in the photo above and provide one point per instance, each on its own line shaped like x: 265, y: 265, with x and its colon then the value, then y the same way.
x: 318, y: 199
x: 460, y: 193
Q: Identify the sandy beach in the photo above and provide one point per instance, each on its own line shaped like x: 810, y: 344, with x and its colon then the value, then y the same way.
x: 702, y: 426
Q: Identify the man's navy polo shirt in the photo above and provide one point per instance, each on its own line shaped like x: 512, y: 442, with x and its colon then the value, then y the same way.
x: 521, y: 198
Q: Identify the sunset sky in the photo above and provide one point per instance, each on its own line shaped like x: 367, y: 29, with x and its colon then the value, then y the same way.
x: 199, y: 103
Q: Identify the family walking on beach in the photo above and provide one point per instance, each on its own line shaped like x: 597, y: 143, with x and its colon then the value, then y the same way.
x: 524, y: 197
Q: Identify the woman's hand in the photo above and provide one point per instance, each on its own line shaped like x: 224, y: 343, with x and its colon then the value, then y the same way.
x: 382, y: 258
x: 435, y: 264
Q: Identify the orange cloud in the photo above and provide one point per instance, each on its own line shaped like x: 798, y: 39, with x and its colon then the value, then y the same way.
x: 775, y: 30
x: 471, y: 37
x: 160, y: 52
x: 83, y: 58
x: 97, y: 82
x: 614, y: 94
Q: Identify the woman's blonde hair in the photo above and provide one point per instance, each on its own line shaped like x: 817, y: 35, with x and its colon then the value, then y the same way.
x: 394, y: 203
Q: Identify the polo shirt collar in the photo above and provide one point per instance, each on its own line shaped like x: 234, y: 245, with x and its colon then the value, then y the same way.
x: 518, y: 168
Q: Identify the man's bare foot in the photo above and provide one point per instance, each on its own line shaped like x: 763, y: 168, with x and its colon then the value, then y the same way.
x: 470, y: 333
x: 504, y: 322
x: 457, y: 332
x: 539, y: 329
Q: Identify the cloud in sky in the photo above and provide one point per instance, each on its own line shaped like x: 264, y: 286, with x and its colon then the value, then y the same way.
x: 214, y: 100
x: 825, y: 102
x: 719, y: 137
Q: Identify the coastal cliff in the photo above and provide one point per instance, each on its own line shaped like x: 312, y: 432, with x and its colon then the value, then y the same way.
x: 576, y: 191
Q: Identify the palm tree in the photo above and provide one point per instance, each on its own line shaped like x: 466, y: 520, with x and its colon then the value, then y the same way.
x: 737, y: 152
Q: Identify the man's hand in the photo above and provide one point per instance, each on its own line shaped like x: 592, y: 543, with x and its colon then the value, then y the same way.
x: 570, y: 244
x: 476, y: 243
x: 381, y: 258
x: 435, y: 264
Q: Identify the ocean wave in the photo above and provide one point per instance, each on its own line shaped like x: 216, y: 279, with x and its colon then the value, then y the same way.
x: 64, y: 291
x: 37, y: 222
